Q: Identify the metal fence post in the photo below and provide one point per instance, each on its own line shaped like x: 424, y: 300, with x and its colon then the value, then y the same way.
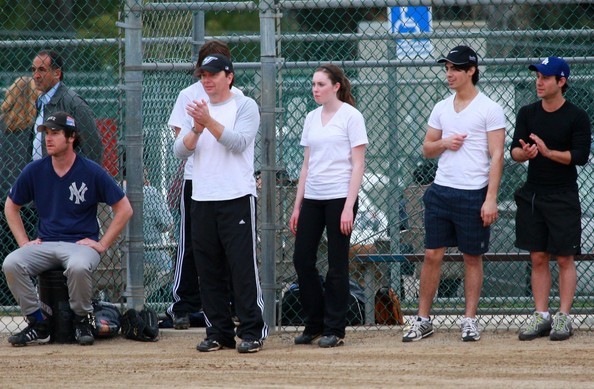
x: 268, y: 200
x: 134, y: 151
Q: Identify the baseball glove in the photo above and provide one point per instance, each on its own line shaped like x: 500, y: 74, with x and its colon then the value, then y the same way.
x: 396, y: 309
x: 142, y: 326
x: 387, y: 307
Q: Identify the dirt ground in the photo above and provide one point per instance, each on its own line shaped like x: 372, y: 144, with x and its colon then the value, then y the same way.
x: 370, y: 359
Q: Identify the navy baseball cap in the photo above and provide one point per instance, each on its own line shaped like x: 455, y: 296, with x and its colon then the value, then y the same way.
x: 215, y: 63
x: 460, y: 55
x: 58, y: 121
x: 552, y: 66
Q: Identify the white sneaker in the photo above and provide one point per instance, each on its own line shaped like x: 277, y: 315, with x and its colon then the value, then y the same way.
x: 470, y: 329
x: 417, y: 329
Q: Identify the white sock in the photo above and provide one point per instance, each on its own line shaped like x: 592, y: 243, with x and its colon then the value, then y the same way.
x: 424, y: 318
x: 545, y: 315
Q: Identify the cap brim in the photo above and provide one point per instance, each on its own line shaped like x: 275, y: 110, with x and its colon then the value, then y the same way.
x: 442, y: 60
x: 51, y: 126
x: 541, y: 69
x: 210, y: 69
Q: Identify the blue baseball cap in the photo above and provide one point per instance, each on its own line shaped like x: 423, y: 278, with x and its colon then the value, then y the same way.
x: 552, y: 66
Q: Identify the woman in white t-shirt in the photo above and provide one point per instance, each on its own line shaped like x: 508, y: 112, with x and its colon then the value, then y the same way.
x: 334, y: 138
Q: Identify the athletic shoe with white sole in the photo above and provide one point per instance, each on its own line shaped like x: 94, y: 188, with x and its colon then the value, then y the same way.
x: 36, y: 332
x: 208, y: 345
x: 417, y: 329
x: 328, y: 341
x: 470, y: 329
x: 562, y: 328
x: 306, y: 338
x: 249, y: 346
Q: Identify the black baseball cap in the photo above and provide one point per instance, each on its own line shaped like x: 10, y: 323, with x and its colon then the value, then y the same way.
x: 58, y: 121
x: 460, y: 55
x: 215, y: 63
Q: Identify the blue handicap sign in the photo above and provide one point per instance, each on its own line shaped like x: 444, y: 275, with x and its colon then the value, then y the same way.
x: 410, y: 20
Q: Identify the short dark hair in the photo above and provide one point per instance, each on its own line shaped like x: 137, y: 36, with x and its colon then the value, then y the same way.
x: 56, y: 61
x: 213, y: 46
x: 69, y: 133
x: 466, y: 67
x: 565, y: 86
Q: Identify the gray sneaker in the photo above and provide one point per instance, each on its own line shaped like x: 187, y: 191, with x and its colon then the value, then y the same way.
x: 537, y: 327
x: 417, y: 329
x: 562, y: 327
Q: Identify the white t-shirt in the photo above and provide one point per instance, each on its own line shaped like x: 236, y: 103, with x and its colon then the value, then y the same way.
x: 224, y: 169
x: 330, y: 164
x: 180, y: 118
x: 467, y: 168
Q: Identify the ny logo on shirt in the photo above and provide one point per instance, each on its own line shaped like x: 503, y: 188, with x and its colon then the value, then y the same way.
x: 78, y: 194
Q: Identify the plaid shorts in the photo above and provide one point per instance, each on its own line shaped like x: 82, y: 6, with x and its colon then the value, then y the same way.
x: 453, y: 218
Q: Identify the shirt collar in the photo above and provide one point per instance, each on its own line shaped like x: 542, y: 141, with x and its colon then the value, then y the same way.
x: 46, y: 97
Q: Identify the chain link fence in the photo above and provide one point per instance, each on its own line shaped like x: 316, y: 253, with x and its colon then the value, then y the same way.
x: 130, y: 59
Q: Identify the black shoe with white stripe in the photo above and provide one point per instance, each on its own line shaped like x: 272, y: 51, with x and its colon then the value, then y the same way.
x: 249, y: 346
x: 36, y: 332
x: 208, y: 345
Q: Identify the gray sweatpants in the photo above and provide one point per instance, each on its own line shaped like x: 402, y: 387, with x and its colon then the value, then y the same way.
x: 78, y: 261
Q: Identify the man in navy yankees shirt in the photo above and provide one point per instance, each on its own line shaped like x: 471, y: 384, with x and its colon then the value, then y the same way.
x: 65, y: 189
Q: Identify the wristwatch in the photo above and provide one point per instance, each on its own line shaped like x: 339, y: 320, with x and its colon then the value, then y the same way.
x: 196, y: 132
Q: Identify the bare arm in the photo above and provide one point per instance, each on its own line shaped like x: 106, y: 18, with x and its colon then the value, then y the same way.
x: 122, y: 213
x: 495, y: 141
x: 15, y: 222
x: 563, y: 157
x: 300, y: 192
x: 434, y: 145
x: 347, y: 217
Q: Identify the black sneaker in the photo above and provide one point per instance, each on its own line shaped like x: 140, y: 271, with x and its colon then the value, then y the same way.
x: 83, y: 329
x: 181, y: 321
x: 330, y: 341
x: 209, y: 345
x: 35, y: 332
x: 249, y: 346
x: 306, y: 338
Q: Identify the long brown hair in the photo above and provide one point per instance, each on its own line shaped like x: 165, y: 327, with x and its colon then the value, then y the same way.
x: 336, y: 75
x: 18, y: 108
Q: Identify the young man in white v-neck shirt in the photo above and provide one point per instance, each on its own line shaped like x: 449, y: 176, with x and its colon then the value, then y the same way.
x: 466, y: 132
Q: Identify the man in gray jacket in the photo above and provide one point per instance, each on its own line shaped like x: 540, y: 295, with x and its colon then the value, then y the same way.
x: 56, y: 96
